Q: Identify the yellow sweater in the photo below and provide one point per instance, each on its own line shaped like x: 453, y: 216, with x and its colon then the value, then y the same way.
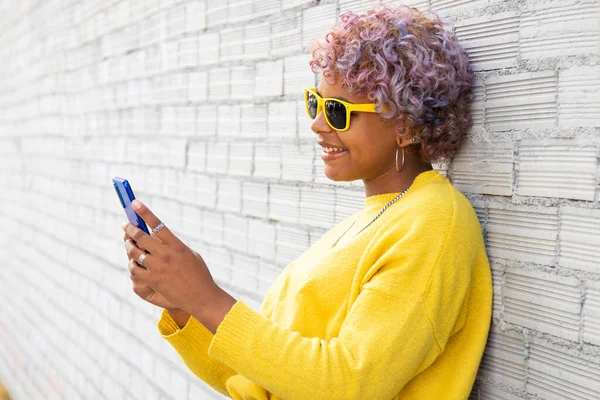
x: 399, y: 311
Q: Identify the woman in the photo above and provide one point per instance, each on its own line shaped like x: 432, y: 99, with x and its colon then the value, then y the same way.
x: 394, y: 302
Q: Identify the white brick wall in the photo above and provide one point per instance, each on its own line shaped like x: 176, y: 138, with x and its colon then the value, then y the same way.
x: 199, y: 105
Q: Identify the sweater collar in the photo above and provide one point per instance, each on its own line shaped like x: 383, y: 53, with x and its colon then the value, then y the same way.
x: 376, y: 202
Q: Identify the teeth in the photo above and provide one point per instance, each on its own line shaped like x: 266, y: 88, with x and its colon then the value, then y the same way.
x: 332, y: 149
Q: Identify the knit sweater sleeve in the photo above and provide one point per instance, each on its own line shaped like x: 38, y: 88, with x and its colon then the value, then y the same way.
x: 192, y: 341
x: 409, y: 305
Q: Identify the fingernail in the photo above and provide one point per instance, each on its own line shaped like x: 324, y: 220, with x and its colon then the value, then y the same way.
x: 123, y: 225
x: 136, y: 204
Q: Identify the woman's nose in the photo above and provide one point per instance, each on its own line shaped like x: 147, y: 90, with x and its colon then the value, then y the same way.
x: 319, y: 124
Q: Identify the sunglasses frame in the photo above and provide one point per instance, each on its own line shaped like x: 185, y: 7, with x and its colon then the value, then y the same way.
x: 367, y: 107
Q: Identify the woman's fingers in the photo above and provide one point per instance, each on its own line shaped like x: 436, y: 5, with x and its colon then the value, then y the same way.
x: 134, y: 252
x: 165, y: 235
x: 138, y: 272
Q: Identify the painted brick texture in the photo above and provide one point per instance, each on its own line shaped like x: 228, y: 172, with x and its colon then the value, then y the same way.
x: 199, y: 105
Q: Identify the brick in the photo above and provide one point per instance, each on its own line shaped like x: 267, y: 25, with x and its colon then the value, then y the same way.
x: 255, y: 44
x: 487, y: 392
x: 560, y: 372
x: 484, y: 167
x: 491, y: 48
x: 521, y: 101
x: 347, y: 203
x: 196, y: 156
x: 216, y: 13
x: 254, y: 120
x: 556, y: 167
x: 218, y: 83
x: 198, y: 86
x: 219, y: 261
x: 151, y: 30
x: 206, y: 191
x: 286, y: 34
x: 195, y: 16
x: 591, y: 313
x: 244, y: 272
x: 186, y: 121
x: 208, y: 48
x: 266, y: 7
x: 286, y: 5
x: 191, y: 222
x: 229, y: 120
x: 316, y: 22
x: 579, y: 103
x: 179, y: 385
x: 267, y: 273
x: 267, y: 160
x: 317, y: 206
x: 239, y: 11
x: 206, y: 120
x: 261, y: 239
x: 212, y: 231
x: 242, y: 82
x: 217, y: 157
x: 200, y: 390
x: 284, y: 203
x: 240, y: 158
x: 297, y: 75
x: 236, y: 232
x: 269, y: 79
x: 542, y: 301
x: 291, y: 242
x: 232, y: 44
x: 304, y: 123
x: 297, y: 162
x: 255, y: 199
x: 229, y: 195
x: 572, y: 22
x: 579, y: 239
x: 282, y: 119
x: 522, y: 233
x: 504, y: 358
x: 497, y: 283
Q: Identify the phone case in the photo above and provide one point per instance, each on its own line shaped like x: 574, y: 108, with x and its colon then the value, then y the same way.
x: 126, y: 196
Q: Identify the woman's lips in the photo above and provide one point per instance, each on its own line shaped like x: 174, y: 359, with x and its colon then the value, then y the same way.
x: 333, y: 155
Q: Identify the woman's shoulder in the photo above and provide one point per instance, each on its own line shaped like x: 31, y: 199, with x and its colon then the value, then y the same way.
x: 435, y: 205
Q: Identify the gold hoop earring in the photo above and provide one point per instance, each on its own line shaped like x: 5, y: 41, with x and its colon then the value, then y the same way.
x: 397, y: 159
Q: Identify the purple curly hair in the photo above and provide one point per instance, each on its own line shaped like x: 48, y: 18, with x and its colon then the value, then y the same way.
x: 408, y: 63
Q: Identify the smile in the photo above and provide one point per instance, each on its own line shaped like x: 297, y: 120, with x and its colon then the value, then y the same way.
x: 333, y: 149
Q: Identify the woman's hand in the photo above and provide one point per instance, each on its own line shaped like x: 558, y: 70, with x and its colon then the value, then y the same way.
x: 173, y: 274
x: 142, y: 289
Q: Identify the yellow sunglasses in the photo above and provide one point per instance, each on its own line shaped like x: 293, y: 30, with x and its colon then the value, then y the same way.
x: 337, y: 112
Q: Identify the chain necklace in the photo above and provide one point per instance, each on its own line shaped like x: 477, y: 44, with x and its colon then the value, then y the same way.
x: 373, y: 220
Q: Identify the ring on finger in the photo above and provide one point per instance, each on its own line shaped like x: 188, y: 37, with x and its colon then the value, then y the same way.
x: 141, y: 259
x: 158, y: 227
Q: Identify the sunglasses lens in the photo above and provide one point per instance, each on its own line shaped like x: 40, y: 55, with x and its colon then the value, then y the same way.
x: 312, y: 103
x: 336, y: 112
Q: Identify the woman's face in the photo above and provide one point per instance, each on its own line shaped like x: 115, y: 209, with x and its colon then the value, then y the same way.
x: 369, y: 144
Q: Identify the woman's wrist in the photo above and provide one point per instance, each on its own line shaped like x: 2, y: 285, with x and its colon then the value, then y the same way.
x: 179, y: 316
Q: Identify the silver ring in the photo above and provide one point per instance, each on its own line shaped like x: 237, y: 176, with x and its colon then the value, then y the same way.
x: 140, y: 260
x: 158, y: 227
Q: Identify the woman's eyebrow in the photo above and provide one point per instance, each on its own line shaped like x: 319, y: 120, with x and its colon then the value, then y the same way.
x: 335, y: 97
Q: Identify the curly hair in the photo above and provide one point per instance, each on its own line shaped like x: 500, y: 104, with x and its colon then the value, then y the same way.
x: 410, y: 66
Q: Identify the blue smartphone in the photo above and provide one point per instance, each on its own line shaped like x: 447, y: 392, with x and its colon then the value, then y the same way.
x: 126, y: 196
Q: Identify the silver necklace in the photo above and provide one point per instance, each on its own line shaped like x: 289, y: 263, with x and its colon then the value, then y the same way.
x: 373, y: 220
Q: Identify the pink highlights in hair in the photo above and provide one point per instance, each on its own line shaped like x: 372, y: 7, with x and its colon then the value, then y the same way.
x: 409, y: 63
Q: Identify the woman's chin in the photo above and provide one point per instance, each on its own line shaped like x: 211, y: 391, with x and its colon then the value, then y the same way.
x: 336, y: 174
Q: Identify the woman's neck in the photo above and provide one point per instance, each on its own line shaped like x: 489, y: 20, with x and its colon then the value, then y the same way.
x: 392, y: 181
